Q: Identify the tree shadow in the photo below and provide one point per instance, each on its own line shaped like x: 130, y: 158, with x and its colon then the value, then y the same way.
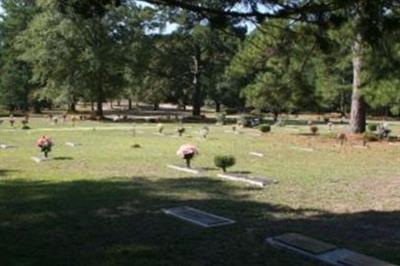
x: 117, y: 221
x: 63, y: 158
x: 6, y: 172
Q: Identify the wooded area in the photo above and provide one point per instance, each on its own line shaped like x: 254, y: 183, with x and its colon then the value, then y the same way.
x: 272, y: 56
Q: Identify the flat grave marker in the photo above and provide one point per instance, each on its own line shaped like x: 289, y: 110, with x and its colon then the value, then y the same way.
x: 198, y: 217
x: 6, y: 146
x: 73, y: 144
x: 304, y: 243
x: 183, y: 169
x: 39, y: 159
x: 255, y: 134
x: 257, y: 154
x: 323, y: 252
x: 303, y: 149
x: 252, y: 180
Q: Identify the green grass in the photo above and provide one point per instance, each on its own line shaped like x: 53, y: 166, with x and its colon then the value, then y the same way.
x: 100, y: 203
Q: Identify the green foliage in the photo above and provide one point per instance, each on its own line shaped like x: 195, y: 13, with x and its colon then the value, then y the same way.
x: 15, y: 86
x: 314, y: 130
x: 270, y: 66
x: 372, y: 127
x: 224, y: 161
x: 180, y: 131
x: 230, y: 111
x: 79, y: 58
x: 265, y: 128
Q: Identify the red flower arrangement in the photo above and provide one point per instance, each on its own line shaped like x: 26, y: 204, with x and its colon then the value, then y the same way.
x: 45, y: 144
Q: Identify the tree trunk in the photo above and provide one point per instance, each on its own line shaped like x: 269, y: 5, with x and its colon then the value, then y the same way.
x: 99, y: 110
x: 129, y: 104
x: 100, y: 100
x: 196, y: 96
x: 275, y: 116
x: 217, y: 106
x: 358, y: 107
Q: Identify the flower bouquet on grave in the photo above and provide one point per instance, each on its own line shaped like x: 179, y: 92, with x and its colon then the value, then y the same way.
x: 187, y: 152
x: 45, y: 144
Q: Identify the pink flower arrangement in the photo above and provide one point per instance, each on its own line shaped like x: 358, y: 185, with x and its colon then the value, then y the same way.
x: 45, y: 144
x: 187, y: 152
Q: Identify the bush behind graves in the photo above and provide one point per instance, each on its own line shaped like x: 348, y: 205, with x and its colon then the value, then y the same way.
x: 372, y: 127
x: 265, y: 128
x: 314, y: 130
x: 224, y: 161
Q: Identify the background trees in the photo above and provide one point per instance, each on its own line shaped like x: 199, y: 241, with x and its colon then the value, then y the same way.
x: 302, y: 56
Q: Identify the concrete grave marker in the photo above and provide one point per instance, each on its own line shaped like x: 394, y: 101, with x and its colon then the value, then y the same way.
x: 72, y: 144
x: 304, y: 243
x: 198, y: 217
x: 255, y: 134
x: 183, y: 169
x: 303, y: 149
x: 256, y: 181
x: 257, y: 154
x: 39, y: 159
x: 323, y: 252
x: 6, y: 146
x: 350, y: 258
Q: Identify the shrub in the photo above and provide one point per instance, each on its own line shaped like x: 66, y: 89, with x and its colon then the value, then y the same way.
x: 314, y: 130
x: 265, y: 128
x: 136, y: 146
x: 326, y: 119
x: 180, y: 131
x: 369, y: 136
x: 372, y: 127
x: 224, y: 161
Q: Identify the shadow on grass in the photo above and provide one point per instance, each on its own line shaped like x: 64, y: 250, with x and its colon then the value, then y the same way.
x: 119, y: 222
x: 63, y: 158
x: 6, y: 172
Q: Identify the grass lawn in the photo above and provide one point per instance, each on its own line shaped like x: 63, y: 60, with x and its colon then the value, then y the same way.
x: 100, y: 203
